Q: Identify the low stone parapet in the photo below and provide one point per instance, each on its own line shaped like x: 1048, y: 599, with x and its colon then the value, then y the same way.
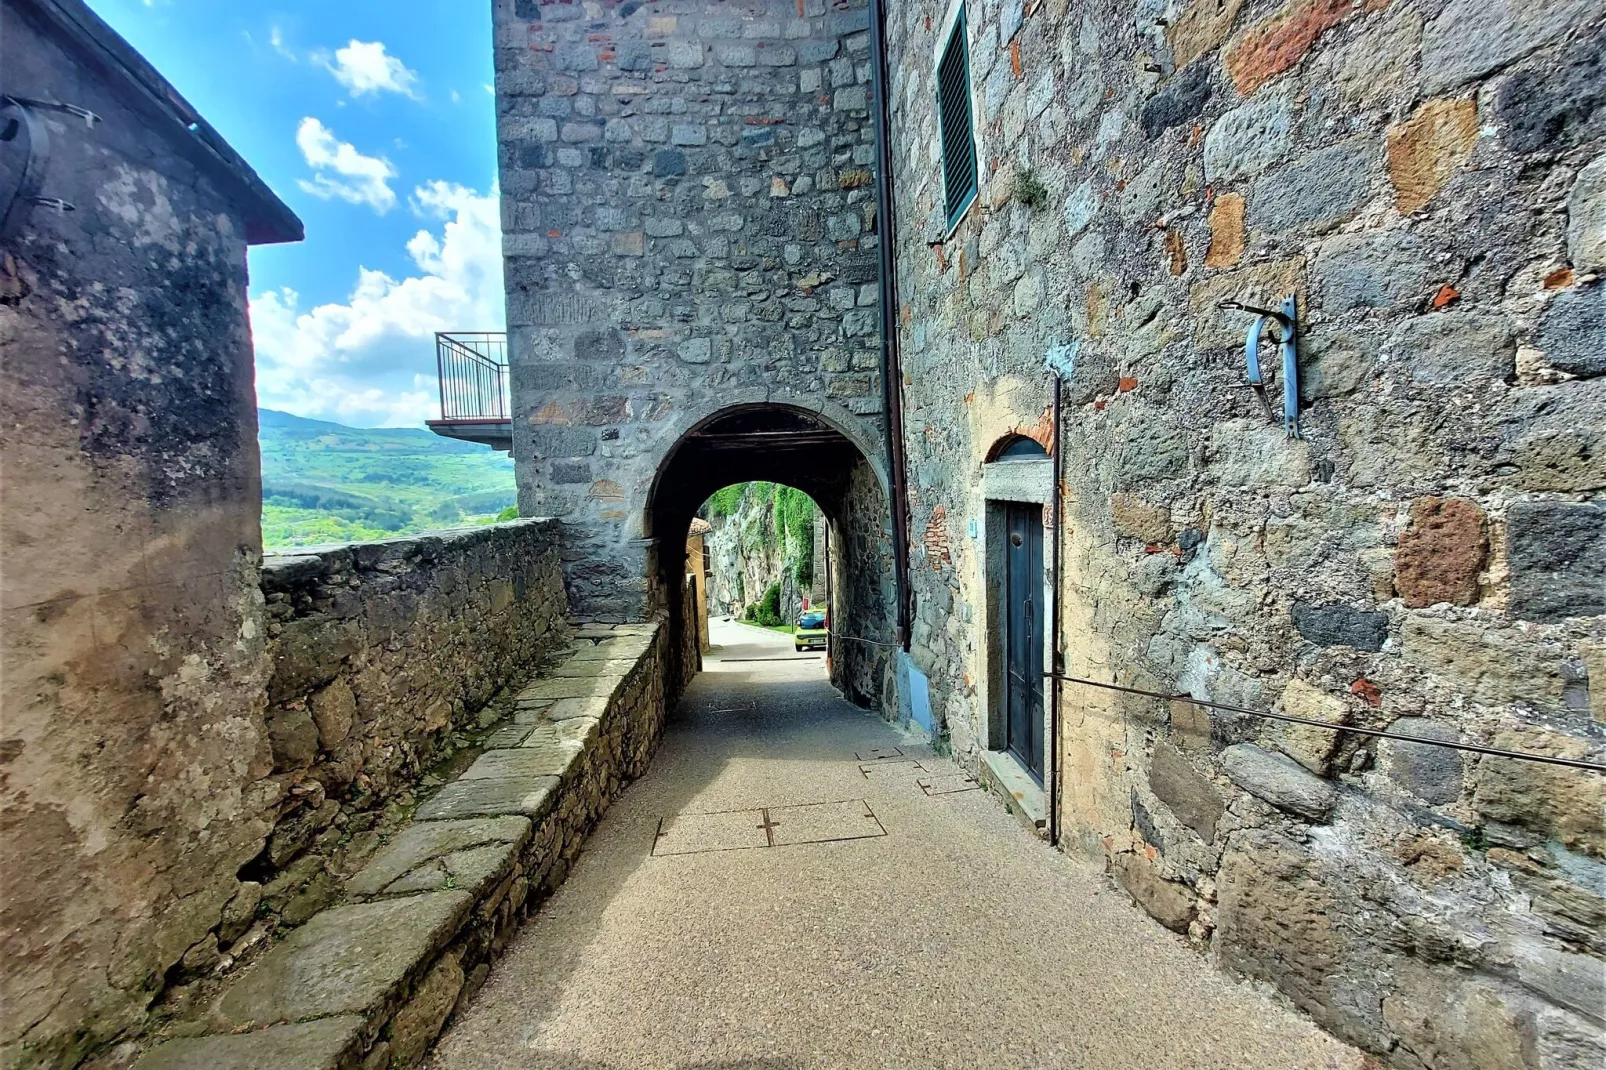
x: 372, y: 981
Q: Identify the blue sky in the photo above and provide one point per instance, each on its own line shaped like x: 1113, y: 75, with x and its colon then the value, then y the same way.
x: 374, y: 121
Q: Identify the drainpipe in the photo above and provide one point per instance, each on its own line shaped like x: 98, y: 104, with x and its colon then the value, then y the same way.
x: 891, y: 368
x: 1059, y: 653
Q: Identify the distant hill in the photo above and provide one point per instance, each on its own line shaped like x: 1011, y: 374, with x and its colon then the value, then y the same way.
x: 325, y: 482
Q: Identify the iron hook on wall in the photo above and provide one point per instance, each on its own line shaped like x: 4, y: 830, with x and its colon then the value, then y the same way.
x: 1287, y: 320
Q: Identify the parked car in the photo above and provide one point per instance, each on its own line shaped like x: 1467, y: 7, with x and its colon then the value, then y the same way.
x: 811, y: 632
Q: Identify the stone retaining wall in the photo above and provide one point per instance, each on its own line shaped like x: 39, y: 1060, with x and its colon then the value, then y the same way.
x: 386, y: 658
x: 371, y: 982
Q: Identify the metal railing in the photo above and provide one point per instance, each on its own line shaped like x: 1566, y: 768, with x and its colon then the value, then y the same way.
x: 473, y: 374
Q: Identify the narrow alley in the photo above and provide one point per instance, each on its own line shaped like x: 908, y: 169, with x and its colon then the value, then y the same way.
x: 694, y: 942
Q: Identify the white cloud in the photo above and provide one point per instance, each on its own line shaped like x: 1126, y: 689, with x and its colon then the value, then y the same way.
x: 341, y: 171
x: 371, y: 360
x: 364, y: 68
x: 276, y: 40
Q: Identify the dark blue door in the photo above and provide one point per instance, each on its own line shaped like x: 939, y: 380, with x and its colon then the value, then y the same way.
x: 1023, y: 633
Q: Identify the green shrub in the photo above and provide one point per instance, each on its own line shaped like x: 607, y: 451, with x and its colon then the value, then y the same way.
x: 510, y: 513
x: 769, y: 607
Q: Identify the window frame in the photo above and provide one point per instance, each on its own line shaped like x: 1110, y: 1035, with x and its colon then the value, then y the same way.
x: 956, y: 20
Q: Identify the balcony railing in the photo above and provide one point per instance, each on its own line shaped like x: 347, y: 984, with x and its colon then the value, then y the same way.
x: 472, y: 367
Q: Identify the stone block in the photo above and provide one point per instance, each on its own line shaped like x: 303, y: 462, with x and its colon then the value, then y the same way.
x: 1335, y: 363
x: 1276, y: 921
x: 334, y: 709
x: 1153, y: 447
x: 1470, y: 38
x: 526, y: 762
x: 294, y: 737
x: 1280, y: 781
x: 1341, y: 625
x: 1456, y: 349
x: 1552, y: 801
x: 684, y: 54
x: 327, y: 1044
x: 1179, y: 100
x: 1586, y: 225
x: 1279, y: 42
x: 1428, y: 148
x: 1370, y: 269
x: 1556, y: 552
x: 419, y: 1022
x: 1167, y: 902
x: 1189, y: 793
x: 529, y: 796
x: 1316, y: 192
x: 1552, y: 106
x: 1247, y: 140
x: 420, y: 843
x: 1457, y: 1022
x: 556, y: 687
x: 1432, y: 774
x: 564, y: 709
x: 1441, y: 553
x: 1255, y: 452
x: 1308, y: 745
x: 1139, y: 519
x: 1572, y: 331
x: 1226, y: 231
x: 1200, y: 28
x: 668, y: 163
x: 350, y: 959
x: 1486, y: 666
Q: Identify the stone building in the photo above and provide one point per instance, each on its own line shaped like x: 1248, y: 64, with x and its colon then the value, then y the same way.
x: 693, y: 221
x: 130, y: 537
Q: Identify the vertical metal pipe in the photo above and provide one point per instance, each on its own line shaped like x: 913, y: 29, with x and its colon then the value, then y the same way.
x: 1056, y: 613
x: 891, y: 368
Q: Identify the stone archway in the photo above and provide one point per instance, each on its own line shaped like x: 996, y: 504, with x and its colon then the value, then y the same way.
x: 800, y: 448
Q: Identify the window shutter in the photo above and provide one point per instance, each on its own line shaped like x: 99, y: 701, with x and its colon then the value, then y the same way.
x: 953, y: 112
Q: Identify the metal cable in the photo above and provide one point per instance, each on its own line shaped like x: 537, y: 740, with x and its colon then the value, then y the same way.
x: 871, y: 642
x: 1571, y: 763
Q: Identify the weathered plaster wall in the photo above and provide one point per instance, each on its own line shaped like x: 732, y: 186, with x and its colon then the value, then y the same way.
x: 688, y: 216
x: 132, y: 747
x: 1427, y: 177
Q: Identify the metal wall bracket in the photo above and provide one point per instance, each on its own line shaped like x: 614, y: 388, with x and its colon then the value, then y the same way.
x: 33, y: 170
x: 1286, y: 317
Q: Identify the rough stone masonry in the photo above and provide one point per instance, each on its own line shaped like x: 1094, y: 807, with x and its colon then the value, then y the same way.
x: 1427, y: 177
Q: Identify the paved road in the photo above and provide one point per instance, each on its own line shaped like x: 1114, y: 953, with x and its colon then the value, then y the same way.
x: 942, y: 936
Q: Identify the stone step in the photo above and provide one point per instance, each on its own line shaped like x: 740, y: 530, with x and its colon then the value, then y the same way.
x: 446, y: 892
x: 326, y: 1044
x: 347, y: 960
x: 422, y: 846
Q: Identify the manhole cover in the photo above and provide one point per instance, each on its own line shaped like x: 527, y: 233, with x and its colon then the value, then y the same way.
x: 947, y: 784
x: 731, y: 830
x: 876, y: 754
x: 821, y: 822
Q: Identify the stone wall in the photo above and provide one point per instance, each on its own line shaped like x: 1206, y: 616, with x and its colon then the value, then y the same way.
x: 382, y: 650
x: 133, y: 754
x: 688, y: 226
x: 410, y: 929
x: 1426, y: 177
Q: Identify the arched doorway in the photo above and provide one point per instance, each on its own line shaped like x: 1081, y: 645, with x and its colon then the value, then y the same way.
x: 789, y: 445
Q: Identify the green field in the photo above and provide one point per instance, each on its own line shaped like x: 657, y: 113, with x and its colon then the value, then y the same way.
x: 324, y: 482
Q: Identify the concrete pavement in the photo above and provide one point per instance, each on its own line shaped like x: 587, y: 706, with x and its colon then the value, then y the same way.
x: 696, y: 930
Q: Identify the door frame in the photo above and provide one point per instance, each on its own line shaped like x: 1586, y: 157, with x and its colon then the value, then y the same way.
x: 1021, y: 585
x: 1030, y: 481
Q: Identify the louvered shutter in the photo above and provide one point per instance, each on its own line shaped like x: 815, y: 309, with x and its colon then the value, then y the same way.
x: 953, y: 111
